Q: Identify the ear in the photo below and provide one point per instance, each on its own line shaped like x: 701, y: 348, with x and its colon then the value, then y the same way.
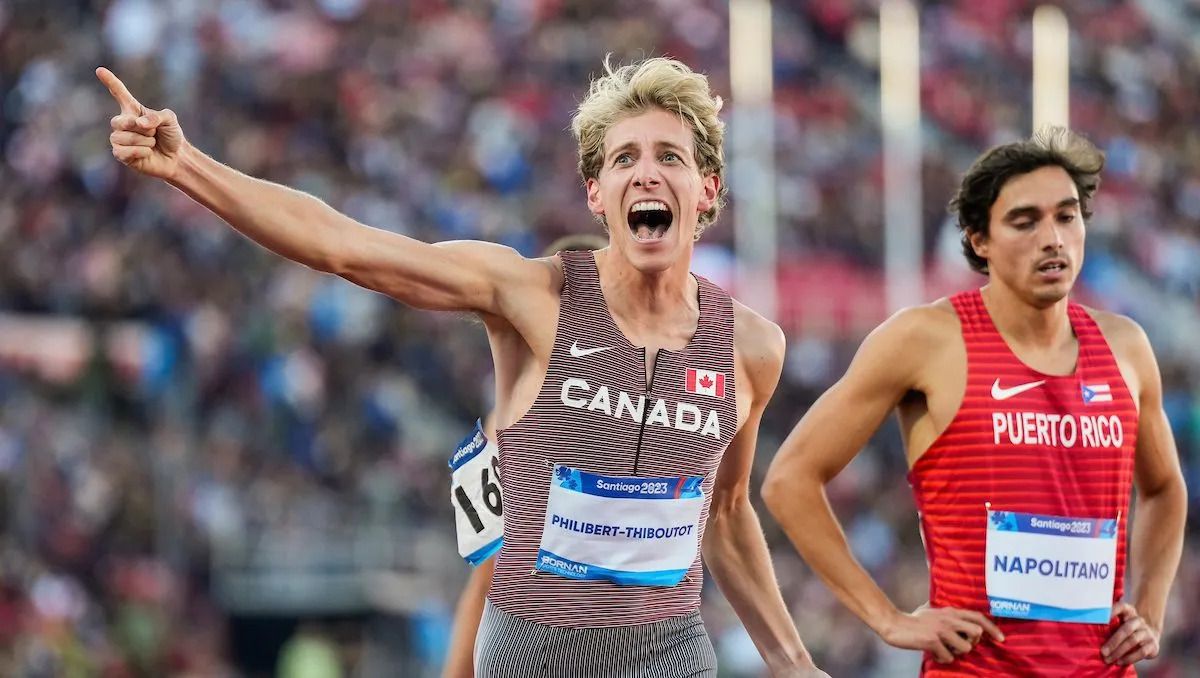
x: 595, y: 204
x: 709, y: 190
x: 979, y: 243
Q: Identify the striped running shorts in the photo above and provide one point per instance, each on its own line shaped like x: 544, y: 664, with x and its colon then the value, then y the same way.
x: 510, y: 647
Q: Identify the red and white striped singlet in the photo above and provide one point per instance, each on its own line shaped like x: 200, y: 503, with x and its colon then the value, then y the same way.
x: 1000, y: 449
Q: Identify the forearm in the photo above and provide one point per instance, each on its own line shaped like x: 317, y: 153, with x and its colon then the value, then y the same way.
x: 288, y: 222
x: 736, y: 554
x: 803, y: 511
x: 1155, y: 552
x: 460, y: 658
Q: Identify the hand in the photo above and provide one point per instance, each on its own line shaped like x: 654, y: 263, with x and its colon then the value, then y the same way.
x: 945, y: 632
x: 1133, y: 641
x: 147, y: 140
x: 810, y: 671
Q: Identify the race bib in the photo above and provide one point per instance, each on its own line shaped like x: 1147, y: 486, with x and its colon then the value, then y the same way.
x: 1051, y: 568
x: 633, y: 531
x: 476, y: 497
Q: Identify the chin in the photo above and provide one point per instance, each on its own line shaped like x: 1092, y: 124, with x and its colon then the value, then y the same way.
x: 652, y: 263
x: 1051, y: 294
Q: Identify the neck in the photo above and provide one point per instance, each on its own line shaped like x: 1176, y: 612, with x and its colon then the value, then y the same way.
x: 1024, y: 322
x: 635, y: 293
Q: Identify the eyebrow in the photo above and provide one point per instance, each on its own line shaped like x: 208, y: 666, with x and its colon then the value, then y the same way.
x: 1032, y: 211
x: 623, y: 147
x: 630, y: 145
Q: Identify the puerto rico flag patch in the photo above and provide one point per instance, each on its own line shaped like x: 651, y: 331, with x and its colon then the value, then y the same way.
x: 1097, y: 393
x: 705, y: 382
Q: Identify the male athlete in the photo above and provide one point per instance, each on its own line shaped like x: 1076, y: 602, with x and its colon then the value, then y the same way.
x: 628, y: 391
x: 1025, y: 418
x: 482, y: 538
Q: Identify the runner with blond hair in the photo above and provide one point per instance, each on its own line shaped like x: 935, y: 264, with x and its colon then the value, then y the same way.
x: 629, y: 391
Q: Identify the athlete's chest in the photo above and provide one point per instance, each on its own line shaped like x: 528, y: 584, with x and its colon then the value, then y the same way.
x: 688, y: 391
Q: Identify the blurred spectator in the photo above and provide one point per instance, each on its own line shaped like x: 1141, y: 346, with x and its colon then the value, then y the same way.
x: 193, y: 432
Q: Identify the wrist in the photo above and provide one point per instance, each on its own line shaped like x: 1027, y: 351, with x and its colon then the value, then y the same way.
x: 781, y: 664
x: 884, y: 622
x: 1151, y: 614
x: 186, y: 167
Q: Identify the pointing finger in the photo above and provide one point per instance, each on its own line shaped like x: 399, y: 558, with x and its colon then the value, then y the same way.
x: 118, y: 91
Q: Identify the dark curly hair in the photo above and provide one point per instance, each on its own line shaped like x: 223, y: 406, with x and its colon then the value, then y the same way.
x: 972, y: 204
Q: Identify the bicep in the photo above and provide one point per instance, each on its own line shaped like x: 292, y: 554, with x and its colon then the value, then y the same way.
x: 760, y: 352
x: 450, y: 276
x: 1156, y: 461
x: 843, y: 419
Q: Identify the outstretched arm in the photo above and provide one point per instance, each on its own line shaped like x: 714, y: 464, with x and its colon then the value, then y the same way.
x: 827, y: 438
x: 467, y: 276
x: 734, y: 547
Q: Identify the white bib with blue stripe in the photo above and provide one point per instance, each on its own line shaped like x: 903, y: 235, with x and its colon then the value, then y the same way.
x: 476, y: 497
x: 1051, y: 568
x: 633, y: 531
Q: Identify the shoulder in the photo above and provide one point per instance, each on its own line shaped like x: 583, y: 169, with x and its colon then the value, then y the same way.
x: 910, y: 349
x: 927, y: 326
x: 754, y: 336
x: 1125, y: 337
x: 759, y: 347
x: 757, y: 341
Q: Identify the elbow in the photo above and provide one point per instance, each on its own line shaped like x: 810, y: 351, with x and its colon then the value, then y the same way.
x: 785, y: 486
x: 1169, y: 487
x: 1172, y: 491
x: 338, y: 245
x: 330, y: 256
x: 726, y: 505
x: 775, y: 491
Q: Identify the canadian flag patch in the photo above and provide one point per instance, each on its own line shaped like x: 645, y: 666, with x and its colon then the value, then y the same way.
x: 705, y: 382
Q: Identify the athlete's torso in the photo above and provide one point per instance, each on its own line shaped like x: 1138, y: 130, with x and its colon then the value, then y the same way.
x: 596, y: 412
x: 1027, y: 442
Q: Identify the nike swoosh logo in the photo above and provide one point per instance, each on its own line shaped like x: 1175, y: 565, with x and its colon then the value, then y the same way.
x: 577, y: 352
x: 1006, y: 393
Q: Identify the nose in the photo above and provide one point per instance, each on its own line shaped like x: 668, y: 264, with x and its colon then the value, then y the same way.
x: 1050, y: 235
x: 646, y: 175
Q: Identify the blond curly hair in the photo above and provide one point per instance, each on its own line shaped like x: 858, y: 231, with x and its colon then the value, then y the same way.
x: 638, y: 87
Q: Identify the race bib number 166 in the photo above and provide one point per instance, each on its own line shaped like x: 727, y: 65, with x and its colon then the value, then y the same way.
x: 476, y: 497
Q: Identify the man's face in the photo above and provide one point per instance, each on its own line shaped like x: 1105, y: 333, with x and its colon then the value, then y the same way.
x: 1036, y: 233
x: 650, y: 191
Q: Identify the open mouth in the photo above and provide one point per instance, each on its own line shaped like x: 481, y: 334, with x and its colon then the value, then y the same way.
x: 650, y: 219
x: 1053, y: 266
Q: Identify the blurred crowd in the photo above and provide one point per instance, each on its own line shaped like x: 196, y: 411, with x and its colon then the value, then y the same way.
x: 196, y: 436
